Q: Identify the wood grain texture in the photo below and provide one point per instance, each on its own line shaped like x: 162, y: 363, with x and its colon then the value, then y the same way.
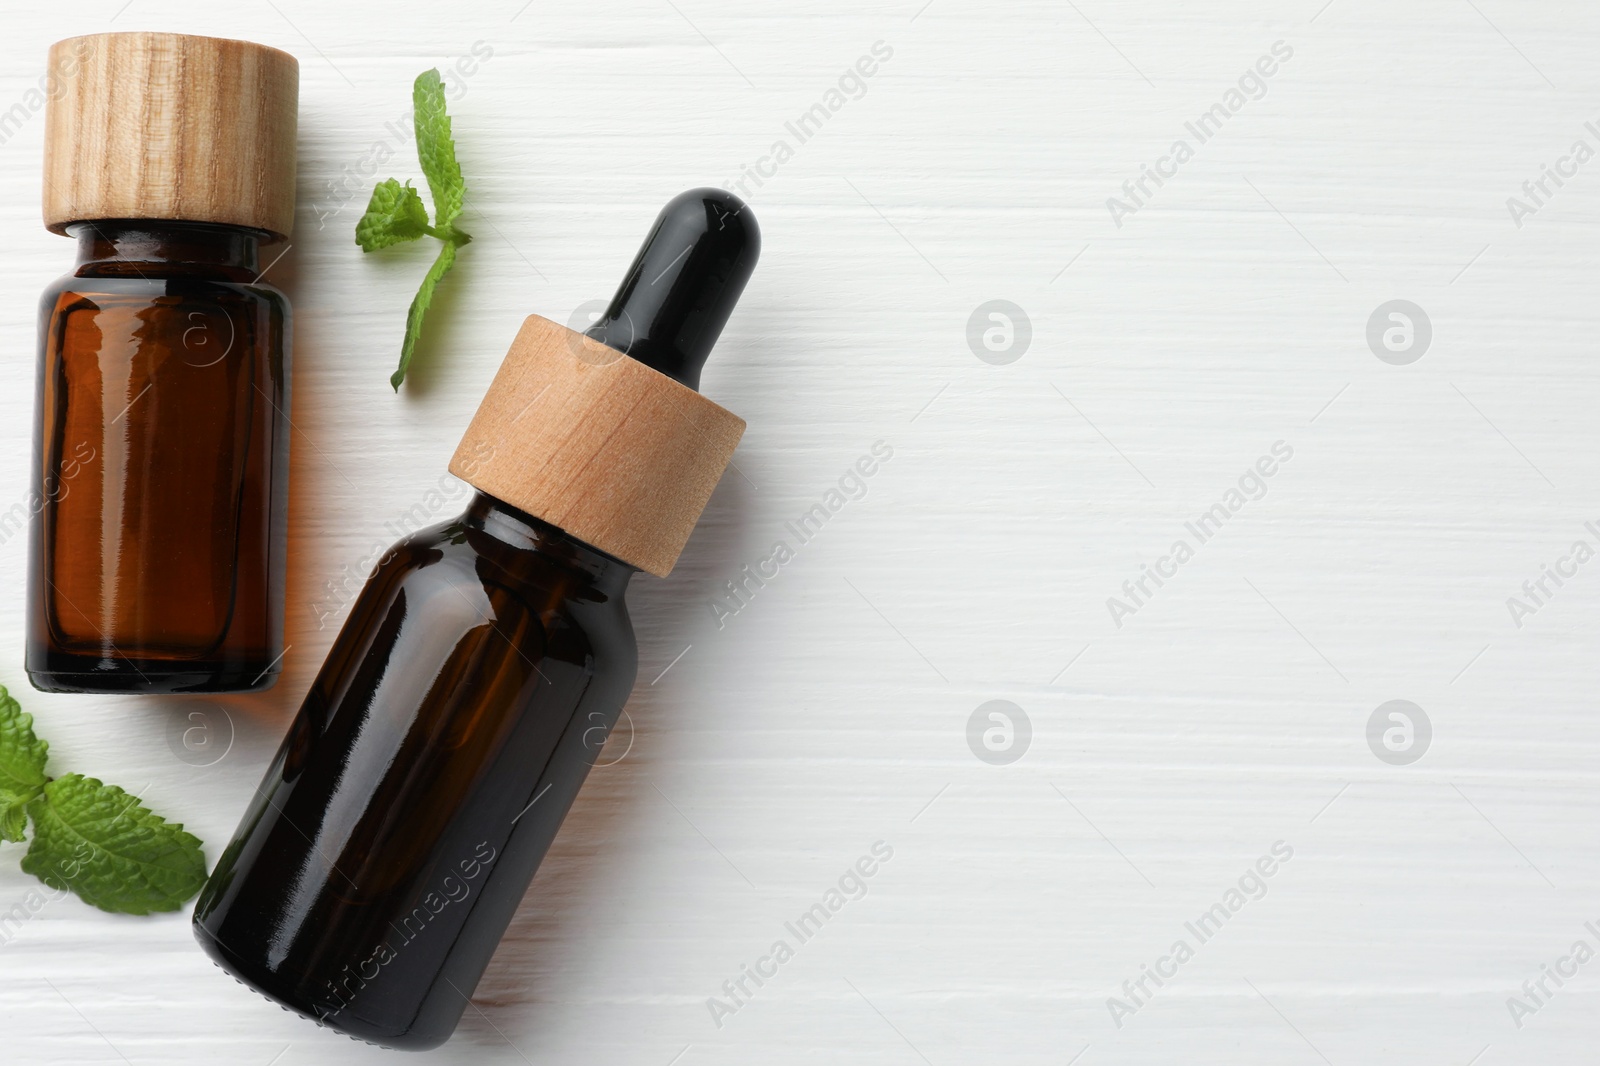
x: 171, y: 126
x: 760, y: 759
x: 618, y: 455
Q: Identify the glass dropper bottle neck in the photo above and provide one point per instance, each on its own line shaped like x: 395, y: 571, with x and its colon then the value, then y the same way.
x: 521, y: 530
x: 141, y: 247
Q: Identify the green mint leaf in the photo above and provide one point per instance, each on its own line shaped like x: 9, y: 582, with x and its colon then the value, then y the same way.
x: 436, y: 149
x: 14, y: 822
x: 395, y: 214
x: 103, y: 844
x: 22, y: 759
x: 419, y: 307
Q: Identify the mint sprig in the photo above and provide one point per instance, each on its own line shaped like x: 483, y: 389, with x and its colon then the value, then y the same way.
x: 396, y: 214
x: 90, y: 838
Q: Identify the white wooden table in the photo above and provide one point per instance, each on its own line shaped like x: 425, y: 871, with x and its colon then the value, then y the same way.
x: 1176, y: 339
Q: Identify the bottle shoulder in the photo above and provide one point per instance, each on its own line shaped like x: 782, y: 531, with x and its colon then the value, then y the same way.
x: 442, y: 596
x: 69, y: 289
x: 488, y: 572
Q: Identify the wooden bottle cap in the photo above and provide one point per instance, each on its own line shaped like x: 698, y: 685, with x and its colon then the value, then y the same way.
x: 614, y: 453
x: 169, y: 126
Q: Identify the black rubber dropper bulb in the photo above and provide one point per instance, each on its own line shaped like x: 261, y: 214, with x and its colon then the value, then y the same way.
x: 680, y: 290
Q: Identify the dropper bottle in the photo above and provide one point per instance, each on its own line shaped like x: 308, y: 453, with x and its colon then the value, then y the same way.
x: 486, y: 660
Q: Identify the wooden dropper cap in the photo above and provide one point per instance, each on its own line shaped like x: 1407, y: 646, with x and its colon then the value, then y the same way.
x: 169, y: 126
x: 603, y: 433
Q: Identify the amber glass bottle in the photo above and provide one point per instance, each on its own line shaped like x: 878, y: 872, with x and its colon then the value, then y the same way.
x: 158, y: 548
x: 485, y: 661
x: 161, y: 456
